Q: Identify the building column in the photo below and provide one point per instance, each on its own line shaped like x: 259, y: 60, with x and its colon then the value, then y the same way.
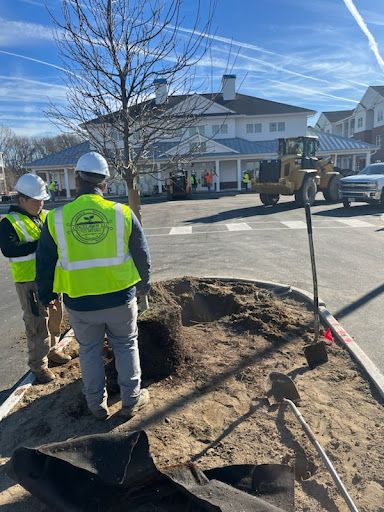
x: 238, y: 174
x: 47, y: 180
x: 159, y: 182
x: 66, y: 181
x: 335, y: 160
x: 368, y: 158
x: 217, y: 170
x: 354, y: 162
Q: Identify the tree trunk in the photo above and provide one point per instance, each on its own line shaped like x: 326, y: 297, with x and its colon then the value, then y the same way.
x: 134, y: 198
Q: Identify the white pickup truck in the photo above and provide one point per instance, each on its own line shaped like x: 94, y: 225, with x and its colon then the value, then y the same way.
x: 366, y: 187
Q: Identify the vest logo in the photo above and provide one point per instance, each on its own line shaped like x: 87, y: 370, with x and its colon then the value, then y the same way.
x: 90, y: 226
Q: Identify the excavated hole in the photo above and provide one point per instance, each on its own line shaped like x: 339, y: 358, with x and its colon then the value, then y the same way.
x: 206, y: 307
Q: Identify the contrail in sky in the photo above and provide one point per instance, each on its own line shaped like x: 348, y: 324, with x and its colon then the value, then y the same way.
x: 371, y: 40
x: 39, y: 62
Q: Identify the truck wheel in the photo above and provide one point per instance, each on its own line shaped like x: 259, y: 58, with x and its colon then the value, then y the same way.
x: 269, y: 199
x: 331, y: 194
x: 307, y: 193
x: 346, y: 203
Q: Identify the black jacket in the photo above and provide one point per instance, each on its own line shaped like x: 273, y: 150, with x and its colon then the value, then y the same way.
x: 46, y: 259
x: 10, y: 245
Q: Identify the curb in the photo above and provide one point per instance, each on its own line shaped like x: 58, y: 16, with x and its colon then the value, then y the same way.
x: 26, y: 382
x: 358, y: 355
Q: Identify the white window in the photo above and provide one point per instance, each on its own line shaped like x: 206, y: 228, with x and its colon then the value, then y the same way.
x: 379, y: 140
x: 250, y: 128
x: 221, y: 129
x: 380, y: 115
x: 196, y: 129
x: 281, y: 126
x: 272, y: 127
x: 258, y: 128
x: 359, y: 122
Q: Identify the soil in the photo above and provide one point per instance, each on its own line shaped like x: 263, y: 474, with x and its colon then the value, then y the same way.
x: 207, y: 347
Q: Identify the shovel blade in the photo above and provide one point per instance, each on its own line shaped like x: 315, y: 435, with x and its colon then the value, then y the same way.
x: 315, y: 354
x: 280, y: 386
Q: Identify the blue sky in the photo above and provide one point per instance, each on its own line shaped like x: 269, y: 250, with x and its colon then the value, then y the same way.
x: 318, y: 54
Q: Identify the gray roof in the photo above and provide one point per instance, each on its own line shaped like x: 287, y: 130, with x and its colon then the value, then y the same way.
x: 66, y: 157
x: 337, y: 115
x: 330, y: 142
x: 236, y: 146
x: 242, y: 104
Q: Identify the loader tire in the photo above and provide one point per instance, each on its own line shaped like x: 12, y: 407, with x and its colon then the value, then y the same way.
x: 269, y: 199
x: 307, y: 192
x: 331, y: 194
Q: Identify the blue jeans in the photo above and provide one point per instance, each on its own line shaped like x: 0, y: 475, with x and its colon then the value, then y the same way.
x: 120, y: 326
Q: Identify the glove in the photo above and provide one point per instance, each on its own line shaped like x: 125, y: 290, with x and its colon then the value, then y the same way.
x: 142, y: 289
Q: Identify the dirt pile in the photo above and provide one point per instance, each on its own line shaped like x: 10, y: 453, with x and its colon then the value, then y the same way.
x: 207, y: 347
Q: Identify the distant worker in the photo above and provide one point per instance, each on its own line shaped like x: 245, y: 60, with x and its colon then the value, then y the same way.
x: 20, y: 231
x: 52, y: 190
x: 208, y: 180
x: 193, y: 181
x: 95, y: 252
x: 246, y: 180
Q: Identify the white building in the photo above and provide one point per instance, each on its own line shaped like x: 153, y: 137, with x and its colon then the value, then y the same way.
x: 232, y: 134
x: 365, y: 123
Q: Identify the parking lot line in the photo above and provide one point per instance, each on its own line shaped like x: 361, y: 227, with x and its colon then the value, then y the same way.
x: 355, y: 223
x: 238, y: 226
x: 181, y: 230
x: 294, y: 224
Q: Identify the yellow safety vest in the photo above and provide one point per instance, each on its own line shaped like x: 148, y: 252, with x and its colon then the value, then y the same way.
x: 92, y: 238
x: 246, y: 178
x: 24, y: 267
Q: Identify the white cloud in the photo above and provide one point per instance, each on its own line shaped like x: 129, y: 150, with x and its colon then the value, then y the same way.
x: 17, y: 33
x: 371, y: 40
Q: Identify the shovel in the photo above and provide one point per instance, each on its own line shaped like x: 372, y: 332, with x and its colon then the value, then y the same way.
x: 283, y: 390
x: 315, y: 353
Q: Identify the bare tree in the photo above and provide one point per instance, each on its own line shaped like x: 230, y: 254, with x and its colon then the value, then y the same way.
x: 117, y: 52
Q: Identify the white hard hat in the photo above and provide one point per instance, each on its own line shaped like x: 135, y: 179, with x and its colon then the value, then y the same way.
x: 32, y: 186
x: 93, y: 162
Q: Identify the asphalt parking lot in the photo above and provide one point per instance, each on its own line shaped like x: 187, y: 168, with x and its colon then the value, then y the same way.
x: 235, y: 236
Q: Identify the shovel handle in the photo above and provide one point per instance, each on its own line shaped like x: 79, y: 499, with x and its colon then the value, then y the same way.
x: 314, y: 273
x: 323, y: 455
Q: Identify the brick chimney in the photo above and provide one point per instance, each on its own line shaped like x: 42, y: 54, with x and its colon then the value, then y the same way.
x: 161, y: 91
x: 229, y: 87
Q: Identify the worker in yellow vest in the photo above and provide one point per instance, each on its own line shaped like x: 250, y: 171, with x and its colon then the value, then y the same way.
x: 20, y: 231
x: 246, y: 180
x: 94, y: 252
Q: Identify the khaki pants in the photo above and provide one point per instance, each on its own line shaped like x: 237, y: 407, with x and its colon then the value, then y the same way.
x: 42, y: 325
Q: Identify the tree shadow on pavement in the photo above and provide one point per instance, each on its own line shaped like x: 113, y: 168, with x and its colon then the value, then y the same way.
x: 241, y: 213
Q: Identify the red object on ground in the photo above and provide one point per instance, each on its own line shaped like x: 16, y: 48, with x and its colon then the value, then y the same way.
x: 328, y: 335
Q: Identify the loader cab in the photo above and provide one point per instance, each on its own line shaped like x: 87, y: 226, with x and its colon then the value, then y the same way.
x: 304, y: 148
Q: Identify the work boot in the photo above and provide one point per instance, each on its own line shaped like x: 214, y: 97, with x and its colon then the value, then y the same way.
x: 58, y: 357
x: 101, y: 412
x: 44, y: 376
x: 128, y: 411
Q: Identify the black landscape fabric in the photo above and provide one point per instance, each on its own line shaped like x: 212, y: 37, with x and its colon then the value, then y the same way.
x: 115, y: 472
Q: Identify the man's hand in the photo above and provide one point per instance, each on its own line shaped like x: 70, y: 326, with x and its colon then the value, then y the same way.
x: 53, y: 304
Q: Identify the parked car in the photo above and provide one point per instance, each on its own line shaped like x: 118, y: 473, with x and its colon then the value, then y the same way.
x: 367, y: 186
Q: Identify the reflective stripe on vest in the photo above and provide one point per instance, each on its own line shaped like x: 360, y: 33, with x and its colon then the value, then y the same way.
x: 121, y: 257
x: 24, y: 267
x: 92, y: 237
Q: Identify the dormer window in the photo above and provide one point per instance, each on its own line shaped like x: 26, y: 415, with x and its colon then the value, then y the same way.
x: 380, y: 115
x: 219, y: 129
